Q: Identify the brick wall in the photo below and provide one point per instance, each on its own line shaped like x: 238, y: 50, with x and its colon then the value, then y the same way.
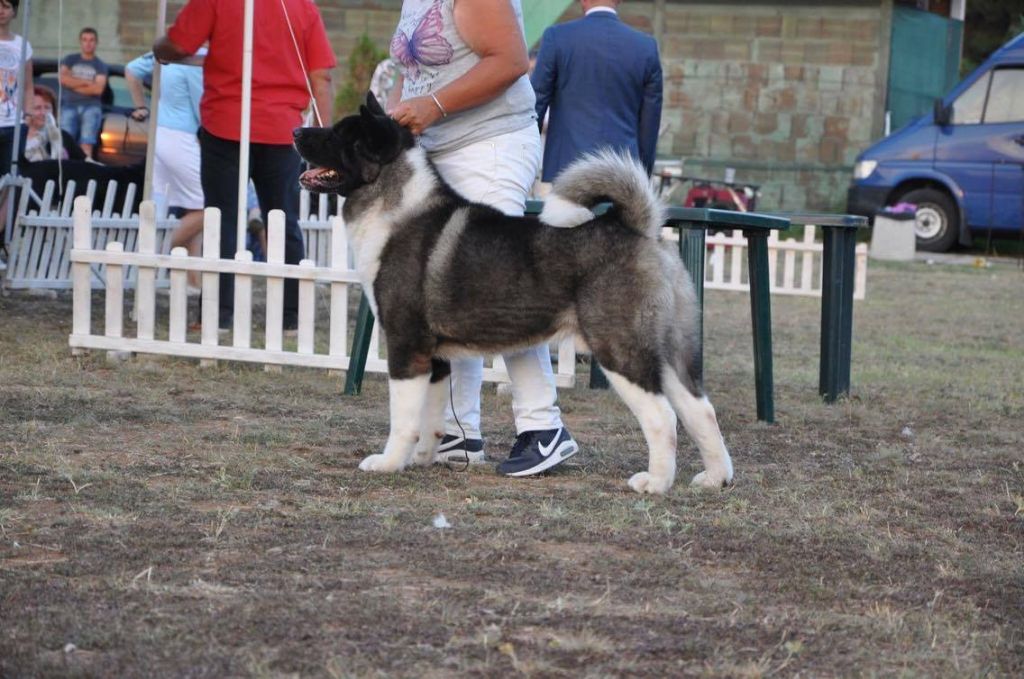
x: 786, y: 96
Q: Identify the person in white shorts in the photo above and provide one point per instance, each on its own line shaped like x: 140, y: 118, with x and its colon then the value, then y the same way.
x: 176, y: 156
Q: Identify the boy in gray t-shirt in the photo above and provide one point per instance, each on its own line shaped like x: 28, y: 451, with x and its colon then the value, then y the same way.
x: 83, y: 77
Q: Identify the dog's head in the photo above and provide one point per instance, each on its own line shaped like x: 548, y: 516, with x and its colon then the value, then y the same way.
x: 353, y: 152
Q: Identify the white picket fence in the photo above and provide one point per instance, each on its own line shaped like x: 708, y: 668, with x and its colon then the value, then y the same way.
x: 800, y: 272
x: 335, y: 276
x: 41, y: 238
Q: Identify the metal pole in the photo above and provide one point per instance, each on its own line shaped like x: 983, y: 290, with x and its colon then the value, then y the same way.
x: 154, y: 105
x: 243, y: 141
x: 18, y: 123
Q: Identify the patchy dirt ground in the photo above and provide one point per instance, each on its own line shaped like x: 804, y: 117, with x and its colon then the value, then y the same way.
x: 159, y: 519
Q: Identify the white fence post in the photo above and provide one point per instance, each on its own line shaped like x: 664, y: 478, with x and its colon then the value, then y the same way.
x: 807, y: 265
x: 114, y: 308
x: 81, y: 324
x: 211, y: 282
x: 243, y: 304
x: 275, y: 284
x: 307, y: 310
x: 178, y: 299
x: 145, y: 287
x: 339, y: 291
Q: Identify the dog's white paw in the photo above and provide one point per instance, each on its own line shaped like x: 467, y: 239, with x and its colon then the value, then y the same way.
x: 707, y: 480
x: 422, y: 457
x: 380, y: 463
x: 643, y: 482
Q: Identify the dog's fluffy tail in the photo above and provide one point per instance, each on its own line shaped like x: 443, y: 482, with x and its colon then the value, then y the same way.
x: 601, y: 177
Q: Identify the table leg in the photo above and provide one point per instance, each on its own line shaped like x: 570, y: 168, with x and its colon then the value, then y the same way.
x: 360, y: 348
x: 838, y: 264
x: 761, y: 320
x: 692, y: 250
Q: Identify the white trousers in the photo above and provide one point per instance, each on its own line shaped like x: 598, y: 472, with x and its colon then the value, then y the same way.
x: 500, y: 172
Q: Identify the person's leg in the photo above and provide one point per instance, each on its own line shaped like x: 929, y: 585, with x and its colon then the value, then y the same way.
x: 186, y: 235
x: 69, y: 120
x: 176, y: 175
x: 219, y: 174
x: 500, y: 173
x: 275, y: 173
x: 6, y: 148
x: 91, y: 118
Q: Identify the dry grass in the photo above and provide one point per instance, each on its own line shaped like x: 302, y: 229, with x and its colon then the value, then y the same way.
x: 168, y: 520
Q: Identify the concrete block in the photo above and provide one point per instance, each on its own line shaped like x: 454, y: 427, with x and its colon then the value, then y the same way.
x: 893, y: 239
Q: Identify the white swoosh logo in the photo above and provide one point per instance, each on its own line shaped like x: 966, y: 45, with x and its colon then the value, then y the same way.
x: 550, y: 448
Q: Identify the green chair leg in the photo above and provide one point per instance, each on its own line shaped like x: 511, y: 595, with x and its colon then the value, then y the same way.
x: 837, y: 313
x: 692, y: 249
x: 598, y: 380
x: 360, y: 348
x: 761, y: 319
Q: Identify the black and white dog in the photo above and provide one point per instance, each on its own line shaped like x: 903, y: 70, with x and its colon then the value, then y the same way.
x: 446, y: 277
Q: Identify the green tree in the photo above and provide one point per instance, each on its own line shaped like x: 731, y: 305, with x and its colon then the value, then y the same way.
x: 987, y: 25
x: 361, y: 62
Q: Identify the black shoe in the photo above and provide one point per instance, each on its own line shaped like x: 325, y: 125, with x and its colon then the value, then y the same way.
x: 457, y: 449
x: 538, y: 451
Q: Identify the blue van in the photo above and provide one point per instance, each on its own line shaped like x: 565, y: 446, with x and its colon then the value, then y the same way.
x: 962, y: 165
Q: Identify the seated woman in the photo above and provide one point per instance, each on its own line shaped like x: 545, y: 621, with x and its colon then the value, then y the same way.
x: 44, y: 139
x: 43, y: 159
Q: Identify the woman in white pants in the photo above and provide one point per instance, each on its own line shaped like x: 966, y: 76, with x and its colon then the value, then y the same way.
x: 465, y: 92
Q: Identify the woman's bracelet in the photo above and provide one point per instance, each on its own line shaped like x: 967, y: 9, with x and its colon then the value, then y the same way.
x: 444, y: 114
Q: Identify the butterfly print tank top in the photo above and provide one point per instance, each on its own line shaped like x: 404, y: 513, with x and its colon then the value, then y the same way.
x: 431, y: 53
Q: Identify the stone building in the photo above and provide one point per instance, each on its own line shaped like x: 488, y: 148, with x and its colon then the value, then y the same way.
x: 787, y: 93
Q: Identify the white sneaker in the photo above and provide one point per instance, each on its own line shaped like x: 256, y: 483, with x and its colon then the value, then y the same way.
x: 455, y: 449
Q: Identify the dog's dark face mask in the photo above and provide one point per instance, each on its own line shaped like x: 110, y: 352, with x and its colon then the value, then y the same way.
x: 352, y: 153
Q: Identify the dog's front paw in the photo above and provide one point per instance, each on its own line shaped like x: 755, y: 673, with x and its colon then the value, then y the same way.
x: 380, y: 463
x: 422, y: 457
x: 643, y: 482
x: 706, y: 480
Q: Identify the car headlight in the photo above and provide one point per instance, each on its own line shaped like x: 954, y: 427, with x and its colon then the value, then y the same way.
x: 864, y: 168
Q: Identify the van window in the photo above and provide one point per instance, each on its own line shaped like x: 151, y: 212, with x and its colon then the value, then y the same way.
x: 1006, y: 100
x: 969, y: 106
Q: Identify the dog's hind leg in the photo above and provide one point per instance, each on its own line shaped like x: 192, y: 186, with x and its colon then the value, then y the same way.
x: 658, y: 422
x: 698, y: 416
x: 432, y: 419
x: 407, y: 399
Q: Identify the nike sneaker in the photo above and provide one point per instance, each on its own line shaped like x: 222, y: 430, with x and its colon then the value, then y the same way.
x: 538, y: 451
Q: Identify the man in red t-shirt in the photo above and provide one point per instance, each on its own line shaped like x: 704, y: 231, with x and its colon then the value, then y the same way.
x: 279, y: 95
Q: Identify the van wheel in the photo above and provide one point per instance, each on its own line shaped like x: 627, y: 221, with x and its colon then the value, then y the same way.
x: 937, y: 222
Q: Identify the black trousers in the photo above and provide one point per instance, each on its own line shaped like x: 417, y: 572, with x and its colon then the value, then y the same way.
x: 6, y: 144
x: 274, y: 169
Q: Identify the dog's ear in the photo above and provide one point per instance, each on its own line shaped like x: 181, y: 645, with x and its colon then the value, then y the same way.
x: 373, y: 106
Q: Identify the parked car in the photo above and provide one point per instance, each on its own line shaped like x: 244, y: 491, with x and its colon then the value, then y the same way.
x: 122, y: 140
x: 962, y: 165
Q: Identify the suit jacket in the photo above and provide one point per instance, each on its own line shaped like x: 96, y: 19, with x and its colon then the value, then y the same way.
x: 602, y: 81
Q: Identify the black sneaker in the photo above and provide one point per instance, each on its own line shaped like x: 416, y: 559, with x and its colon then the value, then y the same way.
x: 456, y: 449
x: 538, y: 451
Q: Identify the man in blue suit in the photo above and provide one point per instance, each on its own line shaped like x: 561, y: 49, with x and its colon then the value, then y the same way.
x: 602, y: 81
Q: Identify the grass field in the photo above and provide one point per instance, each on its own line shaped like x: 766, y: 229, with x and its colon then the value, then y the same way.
x: 160, y: 519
